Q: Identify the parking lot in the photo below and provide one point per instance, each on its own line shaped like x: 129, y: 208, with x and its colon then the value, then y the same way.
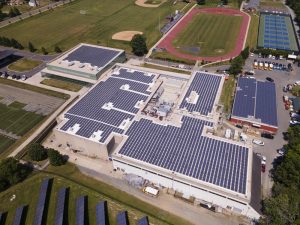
x: 281, y: 78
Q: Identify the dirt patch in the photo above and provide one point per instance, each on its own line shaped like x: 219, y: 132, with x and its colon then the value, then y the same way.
x: 143, y: 4
x: 125, y: 35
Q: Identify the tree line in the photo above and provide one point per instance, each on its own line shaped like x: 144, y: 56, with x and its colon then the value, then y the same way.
x: 13, y: 43
x: 236, y: 64
x: 283, y: 207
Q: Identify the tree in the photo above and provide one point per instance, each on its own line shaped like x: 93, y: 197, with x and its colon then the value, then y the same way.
x: 13, y: 171
x: 201, y: 2
x: 55, y: 158
x: 138, y: 44
x: 3, y: 184
x: 44, y: 51
x: 57, y: 49
x: 31, y: 47
x: 225, y: 2
x: 37, y: 152
x: 236, y: 65
x: 245, y: 53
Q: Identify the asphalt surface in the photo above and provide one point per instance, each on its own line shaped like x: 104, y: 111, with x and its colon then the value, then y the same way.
x: 28, y: 55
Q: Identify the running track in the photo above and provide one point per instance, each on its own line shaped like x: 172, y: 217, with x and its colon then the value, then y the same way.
x: 166, y: 43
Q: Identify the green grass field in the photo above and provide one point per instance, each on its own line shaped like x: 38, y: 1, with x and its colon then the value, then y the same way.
x: 66, y: 26
x: 5, y: 142
x: 215, y: 40
x: 253, y: 32
x: 16, y: 120
x: 79, y: 184
x: 24, y: 65
x: 65, y: 85
x: 227, y: 94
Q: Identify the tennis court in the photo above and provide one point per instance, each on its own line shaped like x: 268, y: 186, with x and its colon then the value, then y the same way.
x: 276, y: 31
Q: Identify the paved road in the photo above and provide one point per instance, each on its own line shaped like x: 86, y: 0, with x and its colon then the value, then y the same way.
x: 26, y: 15
x: 28, y: 55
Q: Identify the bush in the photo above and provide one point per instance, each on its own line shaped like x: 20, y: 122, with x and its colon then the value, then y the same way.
x: 138, y: 44
x: 31, y: 47
x: 44, y: 51
x: 37, y: 152
x: 12, y: 172
x: 57, y: 49
x: 55, y: 158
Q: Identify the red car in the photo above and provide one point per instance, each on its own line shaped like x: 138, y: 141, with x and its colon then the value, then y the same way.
x: 263, y: 168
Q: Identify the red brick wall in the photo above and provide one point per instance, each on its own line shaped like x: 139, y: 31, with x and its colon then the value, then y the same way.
x: 264, y: 128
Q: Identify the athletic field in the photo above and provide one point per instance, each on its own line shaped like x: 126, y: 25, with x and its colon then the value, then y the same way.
x: 91, y: 21
x: 209, y: 34
x: 277, y: 32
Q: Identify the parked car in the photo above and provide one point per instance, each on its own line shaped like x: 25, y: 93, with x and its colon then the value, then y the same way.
x: 281, y: 151
x: 14, y: 76
x: 263, y: 168
x: 239, y: 126
x: 267, y: 135
x: 258, y: 142
x: 294, y: 123
x: 269, y: 79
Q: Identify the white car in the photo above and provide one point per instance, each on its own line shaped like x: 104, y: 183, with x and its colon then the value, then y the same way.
x: 258, y: 142
x: 281, y: 151
x: 294, y: 122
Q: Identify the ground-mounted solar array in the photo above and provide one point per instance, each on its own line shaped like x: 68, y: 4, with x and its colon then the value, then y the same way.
x: 186, y: 151
x: 143, y: 221
x: 256, y: 101
x: 19, y: 215
x: 276, y: 31
x: 109, y: 104
x: 60, y: 206
x: 101, y: 213
x: 80, y: 210
x: 206, y: 86
x: 122, y: 218
x: 38, y: 219
x: 95, y: 56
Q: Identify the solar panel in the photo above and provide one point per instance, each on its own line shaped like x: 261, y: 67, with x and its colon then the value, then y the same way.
x: 122, y: 218
x: 39, y: 212
x: 206, y: 87
x: 101, y: 213
x: 182, y: 150
x: 80, y: 210
x: 256, y: 100
x: 60, y: 206
x: 95, y: 56
x: 143, y: 221
x: 19, y: 216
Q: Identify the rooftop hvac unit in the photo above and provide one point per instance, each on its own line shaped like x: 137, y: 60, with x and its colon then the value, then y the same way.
x: 81, y: 65
x: 71, y: 63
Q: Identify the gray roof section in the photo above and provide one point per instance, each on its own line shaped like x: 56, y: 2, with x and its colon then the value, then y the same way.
x: 95, y: 56
x: 5, y: 53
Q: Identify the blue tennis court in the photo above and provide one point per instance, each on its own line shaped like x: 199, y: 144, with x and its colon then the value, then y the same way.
x: 276, y: 31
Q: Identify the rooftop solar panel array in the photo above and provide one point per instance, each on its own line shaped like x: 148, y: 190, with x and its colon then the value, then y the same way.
x: 185, y: 151
x: 95, y: 56
x: 143, y: 221
x: 39, y: 212
x: 256, y: 100
x: 80, y: 210
x: 122, y: 218
x: 206, y: 86
x: 60, y: 206
x: 92, y: 114
x: 135, y: 76
x: 101, y: 213
x: 18, y: 220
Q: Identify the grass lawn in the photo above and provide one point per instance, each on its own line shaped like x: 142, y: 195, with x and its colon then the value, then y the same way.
x: 168, y: 57
x: 273, y: 4
x: 24, y: 65
x: 155, y: 2
x: 5, y: 142
x: 16, y: 120
x: 27, y: 193
x: 33, y: 88
x: 253, y: 32
x: 66, y: 27
x: 214, y: 35
x: 227, y: 94
x: 164, y: 68
x: 62, y: 84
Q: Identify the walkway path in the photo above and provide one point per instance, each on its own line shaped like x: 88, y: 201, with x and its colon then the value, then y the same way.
x: 26, y: 15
